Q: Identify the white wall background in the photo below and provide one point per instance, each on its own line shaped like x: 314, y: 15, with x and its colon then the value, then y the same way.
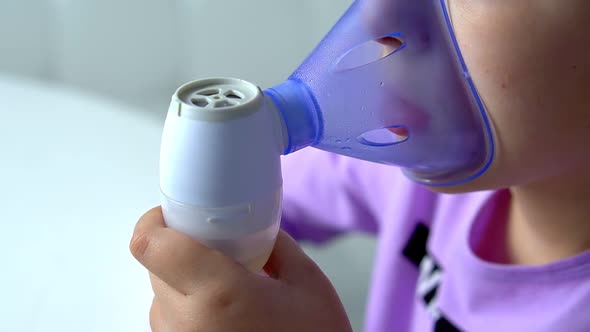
x: 139, y: 51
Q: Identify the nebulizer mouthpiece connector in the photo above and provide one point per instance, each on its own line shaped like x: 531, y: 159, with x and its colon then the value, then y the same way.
x: 299, y: 112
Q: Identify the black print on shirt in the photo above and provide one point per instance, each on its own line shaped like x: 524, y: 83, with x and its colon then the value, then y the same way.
x: 430, y: 277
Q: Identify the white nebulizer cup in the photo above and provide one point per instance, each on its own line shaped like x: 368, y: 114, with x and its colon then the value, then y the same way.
x: 220, y: 172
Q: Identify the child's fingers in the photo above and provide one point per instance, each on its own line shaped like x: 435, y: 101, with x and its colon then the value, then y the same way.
x: 288, y: 262
x: 178, y: 260
x: 157, y: 319
x: 162, y: 290
x: 154, y: 216
x: 167, y: 307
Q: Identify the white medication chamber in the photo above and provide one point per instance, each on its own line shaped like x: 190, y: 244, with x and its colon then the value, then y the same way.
x: 220, y: 172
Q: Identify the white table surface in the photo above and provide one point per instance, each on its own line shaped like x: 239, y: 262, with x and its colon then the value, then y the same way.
x: 76, y: 173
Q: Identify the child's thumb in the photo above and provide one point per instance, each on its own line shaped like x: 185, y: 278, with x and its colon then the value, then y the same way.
x: 289, y: 263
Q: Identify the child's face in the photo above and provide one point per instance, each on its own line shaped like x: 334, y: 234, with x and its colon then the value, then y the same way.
x: 530, y: 60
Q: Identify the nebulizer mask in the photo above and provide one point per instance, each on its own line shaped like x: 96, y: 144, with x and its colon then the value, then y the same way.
x: 387, y: 84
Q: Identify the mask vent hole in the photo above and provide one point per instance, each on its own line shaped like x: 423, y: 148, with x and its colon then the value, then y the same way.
x: 370, y: 52
x: 385, y: 136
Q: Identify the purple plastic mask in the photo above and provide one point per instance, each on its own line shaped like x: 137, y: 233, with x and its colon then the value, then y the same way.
x: 388, y: 84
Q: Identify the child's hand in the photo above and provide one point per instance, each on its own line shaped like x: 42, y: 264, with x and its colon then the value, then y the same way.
x: 199, y: 289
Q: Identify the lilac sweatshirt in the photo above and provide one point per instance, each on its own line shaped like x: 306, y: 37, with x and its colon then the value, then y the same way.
x: 427, y: 276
